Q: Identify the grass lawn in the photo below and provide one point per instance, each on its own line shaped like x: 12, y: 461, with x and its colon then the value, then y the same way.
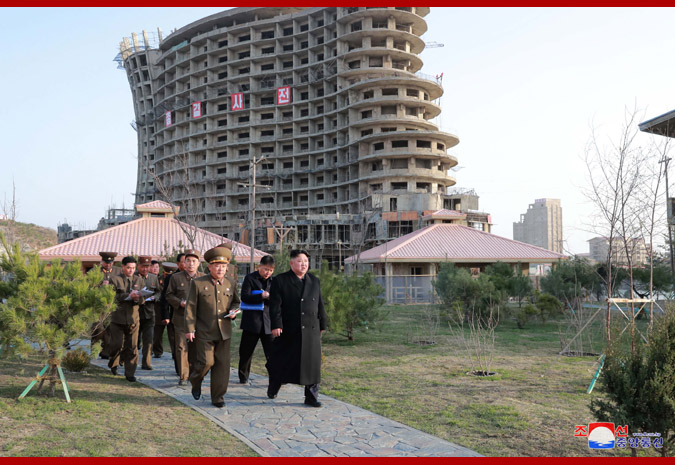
x: 108, y: 417
x: 529, y: 408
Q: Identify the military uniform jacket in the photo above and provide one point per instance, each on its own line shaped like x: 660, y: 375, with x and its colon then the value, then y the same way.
x: 255, y: 321
x: 206, y: 307
x: 297, y: 308
x: 127, y: 310
x: 164, y: 306
x: 176, y: 291
x: 107, y: 275
x: 147, y: 308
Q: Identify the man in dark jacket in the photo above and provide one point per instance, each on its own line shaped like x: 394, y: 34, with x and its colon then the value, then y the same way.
x: 176, y: 295
x: 147, y: 311
x: 298, y: 320
x: 162, y: 316
x: 125, y: 319
x: 255, y: 324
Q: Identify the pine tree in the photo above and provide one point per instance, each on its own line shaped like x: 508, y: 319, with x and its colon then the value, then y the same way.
x: 350, y: 301
x: 46, y: 306
x: 638, y: 383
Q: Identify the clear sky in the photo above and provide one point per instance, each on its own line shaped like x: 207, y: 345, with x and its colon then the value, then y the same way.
x: 522, y: 88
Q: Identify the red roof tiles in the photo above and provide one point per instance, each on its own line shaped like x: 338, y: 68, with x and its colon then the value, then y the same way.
x: 144, y: 236
x: 456, y: 243
x: 155, y: 205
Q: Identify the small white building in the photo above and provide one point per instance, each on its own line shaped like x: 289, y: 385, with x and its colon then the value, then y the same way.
x: 406, y: 266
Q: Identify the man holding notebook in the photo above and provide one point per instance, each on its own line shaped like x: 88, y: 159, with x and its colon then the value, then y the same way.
x: 255, y: 319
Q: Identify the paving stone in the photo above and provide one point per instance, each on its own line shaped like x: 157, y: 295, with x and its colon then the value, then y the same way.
x: 285, y: 427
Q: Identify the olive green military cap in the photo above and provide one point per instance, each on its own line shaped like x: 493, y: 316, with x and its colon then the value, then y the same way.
x: 218, y: 255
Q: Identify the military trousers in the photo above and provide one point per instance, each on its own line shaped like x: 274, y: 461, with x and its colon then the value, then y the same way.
x: 124, y: 347
x: 214, y: 356
x: 146, y: 329
x: 247, y: 345
x: 158, y: 340
x: 100, y: 333
x: 183, y: 354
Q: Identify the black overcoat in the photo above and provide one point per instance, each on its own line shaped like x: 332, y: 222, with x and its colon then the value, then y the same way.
x: 296, y: 354
x: 255, y: 321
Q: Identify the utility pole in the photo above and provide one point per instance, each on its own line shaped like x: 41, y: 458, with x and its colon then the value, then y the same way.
x: 669, y: 219
x: 282, y: 232
x: 252, y: 186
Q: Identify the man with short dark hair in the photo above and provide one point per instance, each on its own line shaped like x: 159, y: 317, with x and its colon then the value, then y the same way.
x: 298, y: 320
x: 162, y: 317
x: 208, y: 323
x: 255, y: 318
x: 176, y: 295
x: 99, y: 331
x: 125, y: 320
x: 167, y: 310
x: 147, y: 311
x: 154, y: 267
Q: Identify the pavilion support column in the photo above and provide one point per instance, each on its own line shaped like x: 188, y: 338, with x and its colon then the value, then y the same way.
x: 388, y: 276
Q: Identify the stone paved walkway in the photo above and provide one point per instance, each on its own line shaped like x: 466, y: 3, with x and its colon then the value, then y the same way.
x: 285, y: 427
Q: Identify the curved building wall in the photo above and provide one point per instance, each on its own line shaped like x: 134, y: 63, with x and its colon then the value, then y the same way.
x: 354, y: 144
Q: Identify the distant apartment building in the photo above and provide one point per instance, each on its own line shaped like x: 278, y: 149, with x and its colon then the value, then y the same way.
x: 541, y: 225
x: 326, y: 105
x: 637, y: 249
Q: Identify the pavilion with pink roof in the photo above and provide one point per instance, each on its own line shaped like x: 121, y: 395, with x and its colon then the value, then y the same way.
x: 156, y: 233
x: 406, y: 265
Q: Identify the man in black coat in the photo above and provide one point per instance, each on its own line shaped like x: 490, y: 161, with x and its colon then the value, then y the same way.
x: 298, y: 320
x: 255, y: 324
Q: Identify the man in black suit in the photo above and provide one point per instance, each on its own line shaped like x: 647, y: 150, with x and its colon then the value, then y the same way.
x: 298, y: 320
x: 255, y: 324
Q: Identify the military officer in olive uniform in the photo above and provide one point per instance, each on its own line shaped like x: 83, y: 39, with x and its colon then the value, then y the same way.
x: 167, y: 309
x: 99, y: 331
x: 162, y: 314
x: 176, y: 296
x: 210, y: 300
x: 147, y: 311
x: 125, y: 320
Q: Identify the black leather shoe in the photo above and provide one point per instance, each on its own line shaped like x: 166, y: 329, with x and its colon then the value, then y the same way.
x: 270, y: 395
x: 219, y: 404
x: 181, y: 382
x: 104, y: 357
x: 131, y: 379
x: 146, y: 368
x: 196, y: 393
x: 243, y: 381
x: 113, y: 370
x: 312, y: 403
x: 157, y: 356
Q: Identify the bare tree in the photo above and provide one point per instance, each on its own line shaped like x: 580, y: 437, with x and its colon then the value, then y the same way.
x: 9, y: 211
x: 615, y: 171
x: 625, y: 182
x: 650, y: 216
x: 479, y: 343
x: 177, y: 185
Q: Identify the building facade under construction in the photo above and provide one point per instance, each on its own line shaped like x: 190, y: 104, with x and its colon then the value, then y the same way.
x: 323, y: 112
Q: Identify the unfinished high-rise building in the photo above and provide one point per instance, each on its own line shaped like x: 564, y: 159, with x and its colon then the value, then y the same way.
x: 327, y: 106
x: 541, y: 225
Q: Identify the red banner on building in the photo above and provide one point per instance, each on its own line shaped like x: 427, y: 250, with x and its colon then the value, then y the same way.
x: 167, y: 119
x: 283, y: 95
x: 196, y: 110
x: 237, y: 101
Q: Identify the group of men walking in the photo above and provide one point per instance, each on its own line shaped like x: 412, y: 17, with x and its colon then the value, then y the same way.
x: 284, y: 312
